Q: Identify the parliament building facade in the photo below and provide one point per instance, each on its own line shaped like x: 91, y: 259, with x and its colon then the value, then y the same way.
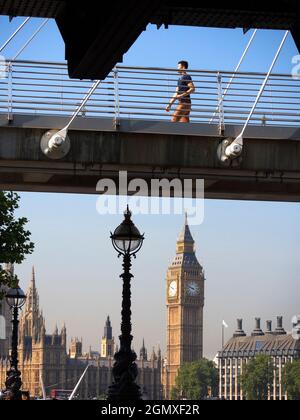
x: 44, y: 359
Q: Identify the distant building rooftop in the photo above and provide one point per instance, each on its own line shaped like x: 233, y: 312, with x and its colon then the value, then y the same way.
x: 273, y: 343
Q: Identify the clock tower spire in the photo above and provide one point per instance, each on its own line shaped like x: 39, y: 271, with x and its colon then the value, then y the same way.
x: 185, y: 303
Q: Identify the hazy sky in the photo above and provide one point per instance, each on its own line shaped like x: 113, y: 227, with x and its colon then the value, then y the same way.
x: 249, y: 250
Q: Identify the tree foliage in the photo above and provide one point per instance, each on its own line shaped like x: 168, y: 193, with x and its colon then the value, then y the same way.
x: 291, y: 380
x: 257, y: 378
x: 196, y: 381
x: 14, y: 238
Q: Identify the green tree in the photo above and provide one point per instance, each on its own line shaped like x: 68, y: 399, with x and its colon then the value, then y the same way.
x: 291, y: 380
x: 175, y: 393
x: 14, y: 238
x: 257, y: 377
x: 195, y: 380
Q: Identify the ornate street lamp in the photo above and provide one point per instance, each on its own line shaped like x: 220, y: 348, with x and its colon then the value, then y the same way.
x: 15, y: 299
x: 127, y: 241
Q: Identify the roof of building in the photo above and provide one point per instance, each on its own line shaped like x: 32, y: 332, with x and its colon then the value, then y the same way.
x: 269, y: 344
x: 185, y: 234
x: 186, y: 257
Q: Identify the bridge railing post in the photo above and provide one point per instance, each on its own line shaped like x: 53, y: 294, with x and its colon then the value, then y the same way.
x: 221, y: 105
x: 117, y: 98
x: 10, y: 91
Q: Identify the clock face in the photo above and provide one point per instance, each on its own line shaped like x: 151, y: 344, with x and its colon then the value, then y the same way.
x: 173, y: 289
x: 192, y: 289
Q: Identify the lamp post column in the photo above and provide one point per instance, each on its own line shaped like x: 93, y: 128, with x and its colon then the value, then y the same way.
x: 13, y: 382
x: 125, y: 370
x: 127, y: 241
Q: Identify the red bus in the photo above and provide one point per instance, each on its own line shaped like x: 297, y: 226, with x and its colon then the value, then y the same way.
x: 60, y: 394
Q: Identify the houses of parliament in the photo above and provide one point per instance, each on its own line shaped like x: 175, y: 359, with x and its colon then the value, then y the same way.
x: 45, y: 359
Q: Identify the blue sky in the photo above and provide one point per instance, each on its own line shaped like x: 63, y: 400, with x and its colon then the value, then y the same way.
x: 252, y: 269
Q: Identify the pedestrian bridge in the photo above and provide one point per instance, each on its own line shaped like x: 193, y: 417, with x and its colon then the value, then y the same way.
x: 124, y: 126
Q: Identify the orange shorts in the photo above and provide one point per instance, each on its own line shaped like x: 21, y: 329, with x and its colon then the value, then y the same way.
x: 182, y: 113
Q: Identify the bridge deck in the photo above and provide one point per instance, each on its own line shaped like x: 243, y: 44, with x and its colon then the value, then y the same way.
x: 270, y: 169
x: 139, y: 126
x: 112, y: 135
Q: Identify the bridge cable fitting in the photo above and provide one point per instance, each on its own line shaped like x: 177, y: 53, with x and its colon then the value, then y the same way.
x: 56, y: 144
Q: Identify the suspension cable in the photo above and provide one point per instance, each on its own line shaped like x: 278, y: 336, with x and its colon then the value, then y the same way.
x: 264, y: 83
x: 31, y: 39
x: 89, y: 94
x: 78, y: 384
x: 236, y: 70
x: 14, y: 34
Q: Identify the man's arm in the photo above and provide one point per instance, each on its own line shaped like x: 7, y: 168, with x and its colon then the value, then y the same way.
x: 173, y: 100
x: 191, y: 90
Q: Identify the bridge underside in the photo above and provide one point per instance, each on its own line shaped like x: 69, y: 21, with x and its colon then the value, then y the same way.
x: 270, y: 169
x: 97, y: 35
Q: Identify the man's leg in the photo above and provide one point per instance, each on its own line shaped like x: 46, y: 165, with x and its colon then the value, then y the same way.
x: 182, y: 113
x: 185, y: 113
x: 185, y: 119
x: 177, y: 114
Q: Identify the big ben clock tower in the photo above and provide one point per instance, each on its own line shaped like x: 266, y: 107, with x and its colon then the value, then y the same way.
x: 185, y: 302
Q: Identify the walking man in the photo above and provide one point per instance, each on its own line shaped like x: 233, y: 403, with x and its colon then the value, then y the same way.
x: 183, y: 93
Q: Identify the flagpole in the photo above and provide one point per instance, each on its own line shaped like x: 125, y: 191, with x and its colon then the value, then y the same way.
x: 224, y: 325
x: 223, y: 336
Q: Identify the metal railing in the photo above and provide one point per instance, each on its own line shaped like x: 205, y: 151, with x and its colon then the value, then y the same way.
x: 40, y: 88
